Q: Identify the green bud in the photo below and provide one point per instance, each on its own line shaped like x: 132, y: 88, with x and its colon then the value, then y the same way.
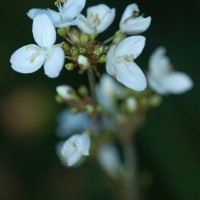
x: 119, y: 37
x: 89, y: 108
x: 83, y: 91
x: 65, y: 46
x: 82, y: 50
x: 74, y: 51
x: 62, y: 31
x: 98, y: 50
x: 74, y: 35
x: 58, y: 99
x: 84, y: 38
x: 70, y: 66
x: 102, y: 59
x: 92, y: 37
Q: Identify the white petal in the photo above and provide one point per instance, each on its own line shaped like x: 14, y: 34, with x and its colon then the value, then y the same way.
x: 36, y: 11
x: 26, y: 59
x: 135, y: 25
x: 72, y: 8
x: 99, y: 10
x: 128, y: 12
x: 54, y: 63
x: 83, y: 24
x: 130, y: 75
x: 159, y: 63
x: 130, y: 46
x: 110, y: 67
x: 177, y: 83
x: 69, y: 123
x: 43, y: 31
x: 83, y: 144
x: 106, y: 21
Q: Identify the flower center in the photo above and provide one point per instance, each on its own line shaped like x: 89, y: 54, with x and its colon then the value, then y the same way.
x: 93, y: 20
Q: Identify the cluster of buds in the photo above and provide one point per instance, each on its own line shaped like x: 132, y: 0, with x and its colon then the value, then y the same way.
x: 115, y: 108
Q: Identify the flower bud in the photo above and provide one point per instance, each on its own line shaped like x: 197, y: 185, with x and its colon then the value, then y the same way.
x: 98, y: 50
x: 66, y: 92
x: 74, y: 35
x: 83, y: 91
x: 65, y: 46
x: 131, y: 104
x: 70, y: 66
x: 62, y: 31
x: 83, y: 62
x: 102, y: 59
x: 74, y: 51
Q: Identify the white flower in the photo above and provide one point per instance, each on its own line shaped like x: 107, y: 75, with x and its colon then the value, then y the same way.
x: 74, y: 148
x: 66, y: 92
x: 66, y: 15
x: 109, y: 160
x: 120, y: 62
x: 109, y: 92
x: 98, y: 19
x: 131, y: 23
x: 69, y: 123
x: 163, y: 79
x: 31, y: 57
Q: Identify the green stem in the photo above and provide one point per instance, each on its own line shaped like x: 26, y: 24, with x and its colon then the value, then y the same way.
x: 92, y: 83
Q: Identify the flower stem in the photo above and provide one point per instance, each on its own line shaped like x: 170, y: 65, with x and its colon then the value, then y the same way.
x: 92, y: 83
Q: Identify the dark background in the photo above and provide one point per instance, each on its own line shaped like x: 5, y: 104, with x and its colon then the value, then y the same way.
x: 168, y: 146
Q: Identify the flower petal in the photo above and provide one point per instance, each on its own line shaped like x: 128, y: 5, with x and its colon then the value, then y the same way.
x: 54, y: 63
x: 82, y: 24
x: 159, y: 63
x: 26, y: 60
x: 43, y: 31
x: 128, y: 12
x: 72, y: 8
x: 83, y: 143
x: 177, y: 83
x: 106, y: 21
x: 110, y: 67
x: 130, y: 75
x: 130, y: 46
x: 136, y: 25
x: 36, y: 11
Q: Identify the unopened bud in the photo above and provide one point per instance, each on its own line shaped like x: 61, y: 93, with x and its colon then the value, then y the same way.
x: 102, y: 59
x: 98, y: 50
x: 74, y: 51
x: 83, y: 62
x: 119, y: 36
x: 89, y: 108
x: 62, y: 31
x: 84, y: 38
x: 74, y: 35
x: 131, y: 104
x: 66, y: 92
x: 70, y: 66
x: 65, y: 46
x: 83, y: 91
x: 82, y: 50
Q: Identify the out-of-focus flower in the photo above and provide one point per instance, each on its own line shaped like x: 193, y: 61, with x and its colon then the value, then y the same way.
x: 120, y: 62
x: 108, y: 91
x: 74, y: 148
x: 30, y: 58
x: 98, y: 19
x: 69, y: 123
x: 162, y: 78
x: 67, y: 13
x: 131, y: 104
x: 131, y: 22
x: 109, y: 160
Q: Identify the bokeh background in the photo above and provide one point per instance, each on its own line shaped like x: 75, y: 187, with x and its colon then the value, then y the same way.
x: 168, y: 146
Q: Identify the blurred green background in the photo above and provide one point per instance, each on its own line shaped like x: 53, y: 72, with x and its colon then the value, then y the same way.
x: 167, y: 147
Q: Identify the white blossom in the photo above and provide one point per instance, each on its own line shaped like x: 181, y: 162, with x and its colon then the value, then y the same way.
x: 109, y: 91
x: 74, y: 149
x: 98, y: 19
x: 120, y: 62
x: 30, y: 58
x: 69, y: 123
x: 131, y: 22
x: 109, y: 159
x: 162, y: 78
x: 67, y: 12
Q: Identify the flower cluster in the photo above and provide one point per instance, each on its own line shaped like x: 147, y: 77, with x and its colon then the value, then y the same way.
x: 110, y: 112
